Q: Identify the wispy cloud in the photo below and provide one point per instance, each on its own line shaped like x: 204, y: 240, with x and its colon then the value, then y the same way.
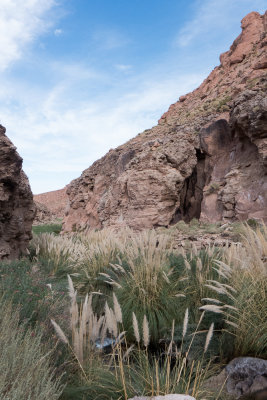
x: 123, y: 67
x: 211, y: 15
x: 56, y: 137
x: 21, y: 22
x: 109, y: 39
x: 58, y: 32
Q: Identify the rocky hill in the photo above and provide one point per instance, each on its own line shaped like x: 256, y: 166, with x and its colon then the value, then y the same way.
x: 17, y: 208
x: 50, y: 205
x: 206, y: 158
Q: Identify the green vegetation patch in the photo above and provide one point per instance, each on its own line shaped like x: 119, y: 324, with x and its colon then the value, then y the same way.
x: 49, y: 228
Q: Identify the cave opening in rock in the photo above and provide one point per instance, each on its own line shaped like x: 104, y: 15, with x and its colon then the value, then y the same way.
x: 192, y: 192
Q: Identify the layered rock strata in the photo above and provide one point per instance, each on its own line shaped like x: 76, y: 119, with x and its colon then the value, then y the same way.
x: 17, y: 209
x: 205, y: 159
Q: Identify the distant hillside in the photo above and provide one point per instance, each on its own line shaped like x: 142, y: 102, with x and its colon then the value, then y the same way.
x: 50, y: 205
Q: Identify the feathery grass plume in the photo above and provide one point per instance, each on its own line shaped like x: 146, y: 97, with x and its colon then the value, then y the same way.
x: 60, y: 332
x: 108, y: 316
x: 187, y: 264
x: 72, y: 292
x: 59, y: 252
x: 145, y: 332
x: 185, y: 323
x: 117, y: 308
x: 199, y: 264
x: 136, y: 328
x: 212, y: 300
x: 209, y: 336
x: 212, y: 308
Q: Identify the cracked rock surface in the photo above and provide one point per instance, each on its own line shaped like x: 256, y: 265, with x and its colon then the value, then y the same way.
x: 206, y: 158
x: 17, y: 209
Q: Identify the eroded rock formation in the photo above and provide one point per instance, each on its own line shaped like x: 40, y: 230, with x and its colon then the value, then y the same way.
x: 50, y: 206
x: 17, y: 209
x: 206, y: 158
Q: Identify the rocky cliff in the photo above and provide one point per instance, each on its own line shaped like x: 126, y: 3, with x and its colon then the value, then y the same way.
x: 50, y: 205
x: 206, y: 158
x: 17, y: 209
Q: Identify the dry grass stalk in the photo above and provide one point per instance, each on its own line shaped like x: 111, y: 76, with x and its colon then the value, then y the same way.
x: 209, y: 336
x: 185, y: 323
x: 117, y: 309
x: 145, y: 332
x: 136, y: 328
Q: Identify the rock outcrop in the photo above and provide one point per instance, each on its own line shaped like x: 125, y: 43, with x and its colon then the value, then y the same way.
x: 17, y: 209
x: 50, y: 206
x: 243, y: 377
x: 205, y: 159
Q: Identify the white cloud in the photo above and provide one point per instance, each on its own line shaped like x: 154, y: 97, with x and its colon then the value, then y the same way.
x: 123, y: 67
x: 211, y: 15
x: 21, y: 21
x: 109, y: 39
x: 58, y: 32
x: 59, y: 139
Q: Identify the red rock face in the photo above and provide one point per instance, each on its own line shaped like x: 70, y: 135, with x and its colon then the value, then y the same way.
x: 17, y: 209
x: 50, y: 205
x: 205, y: 159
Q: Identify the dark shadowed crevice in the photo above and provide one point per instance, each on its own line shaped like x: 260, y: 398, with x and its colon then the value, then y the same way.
x: 192, y: 192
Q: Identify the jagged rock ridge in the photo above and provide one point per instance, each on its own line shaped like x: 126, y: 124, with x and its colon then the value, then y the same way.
x: 206, y: 158
x: 17, y: 209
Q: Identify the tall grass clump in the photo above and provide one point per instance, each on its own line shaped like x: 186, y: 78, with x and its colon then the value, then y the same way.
x: 244, y: 308
x: 88, y: 330
x: 100, y: 249
x: 57, y: 254
x: 146, y: 284
x: 25, y: 368
x: 126, y: 371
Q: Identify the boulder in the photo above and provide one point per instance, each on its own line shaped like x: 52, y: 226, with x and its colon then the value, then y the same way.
x: 246, y: 375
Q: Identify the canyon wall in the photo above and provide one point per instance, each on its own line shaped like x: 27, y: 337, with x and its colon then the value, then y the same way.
x: 17, y: 209
x: 206, y: 158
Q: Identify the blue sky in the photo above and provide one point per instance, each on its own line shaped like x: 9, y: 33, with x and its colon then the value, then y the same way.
x: 78, y: 77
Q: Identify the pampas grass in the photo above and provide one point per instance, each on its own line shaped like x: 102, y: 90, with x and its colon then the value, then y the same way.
x: 26, y: 370
x: 136, y: 328
x: 208, y: 338
x: 145, y: 332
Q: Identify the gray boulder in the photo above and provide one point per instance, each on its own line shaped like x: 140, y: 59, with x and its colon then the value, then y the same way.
x: 246, y: 375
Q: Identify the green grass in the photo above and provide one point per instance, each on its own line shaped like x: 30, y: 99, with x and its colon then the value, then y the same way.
x: 25, y: 285
x: 26, y: 370
x: 49, y: 228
